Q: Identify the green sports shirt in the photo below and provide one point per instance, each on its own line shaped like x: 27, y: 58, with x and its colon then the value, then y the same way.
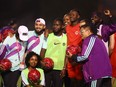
x: 56, y: 49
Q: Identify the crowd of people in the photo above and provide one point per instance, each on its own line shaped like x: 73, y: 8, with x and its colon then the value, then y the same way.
x: 92, y: 66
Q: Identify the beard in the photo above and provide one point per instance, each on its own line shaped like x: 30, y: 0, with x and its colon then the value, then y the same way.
x: 57, y: 32
x: 39, y: 32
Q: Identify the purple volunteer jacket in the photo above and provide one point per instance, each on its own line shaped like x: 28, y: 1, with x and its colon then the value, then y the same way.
x: 108, y: 30
x: 97, y: 63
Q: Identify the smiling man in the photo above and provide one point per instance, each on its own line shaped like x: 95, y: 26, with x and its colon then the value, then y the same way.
x: 37, y: 40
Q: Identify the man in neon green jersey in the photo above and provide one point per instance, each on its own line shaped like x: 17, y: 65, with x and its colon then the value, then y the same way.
x: 56, y: 50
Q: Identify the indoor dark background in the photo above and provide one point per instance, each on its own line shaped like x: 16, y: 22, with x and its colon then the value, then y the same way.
x: 26, y: 11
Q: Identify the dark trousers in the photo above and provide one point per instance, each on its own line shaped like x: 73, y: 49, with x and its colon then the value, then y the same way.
x: 77, y: 83
x: 52, y: 79
x: 67, y: 80
x: 10, y: 78
x: 102, y: 82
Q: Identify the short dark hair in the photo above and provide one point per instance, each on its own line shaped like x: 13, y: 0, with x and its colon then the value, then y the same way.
x: 91, y: 26
x: 59, y: 19
x: 97, y: 13
x: 12, y: 22
x: 28, y: 57
x: 75, y: 9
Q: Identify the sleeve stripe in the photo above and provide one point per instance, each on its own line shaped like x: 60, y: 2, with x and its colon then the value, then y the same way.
x: 90, y: 46
x: 88, y: 50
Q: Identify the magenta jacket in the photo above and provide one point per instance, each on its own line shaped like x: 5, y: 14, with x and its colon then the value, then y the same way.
x: 97, y: 63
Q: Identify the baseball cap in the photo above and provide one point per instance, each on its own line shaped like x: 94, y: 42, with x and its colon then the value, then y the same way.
x: 41, y: 20
x: 23, y: 33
